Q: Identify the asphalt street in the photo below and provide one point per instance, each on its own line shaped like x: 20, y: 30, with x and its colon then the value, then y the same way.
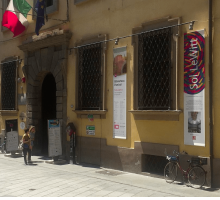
x: 44, y: 179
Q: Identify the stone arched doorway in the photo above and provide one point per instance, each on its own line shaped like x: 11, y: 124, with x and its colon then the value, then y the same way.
x: 46, y: 57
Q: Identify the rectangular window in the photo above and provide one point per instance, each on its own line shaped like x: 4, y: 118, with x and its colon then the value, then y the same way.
x: 90, y: 77
x: 52, y: 6
x: 49, y: 3
x: 8, y: 89
x: 156, y: 67
x: 154, y: 70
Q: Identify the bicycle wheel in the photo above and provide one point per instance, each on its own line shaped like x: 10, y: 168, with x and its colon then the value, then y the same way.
x: 170, y: 172
x: 196, y: 177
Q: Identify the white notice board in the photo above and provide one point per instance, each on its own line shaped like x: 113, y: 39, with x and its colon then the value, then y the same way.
x: 12, y: 141
x: 54, y: 138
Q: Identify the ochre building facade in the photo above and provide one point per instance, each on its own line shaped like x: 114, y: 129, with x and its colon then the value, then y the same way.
x: 69, y: 74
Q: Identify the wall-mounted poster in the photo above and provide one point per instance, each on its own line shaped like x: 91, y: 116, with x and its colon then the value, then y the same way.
x: 12, y: 141
x: 194, y: 88
x: 54, y: 138
x: 22, y: 99
x: 119, y: 92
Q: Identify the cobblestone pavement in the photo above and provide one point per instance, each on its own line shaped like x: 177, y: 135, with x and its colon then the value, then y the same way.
x: 41, y: 179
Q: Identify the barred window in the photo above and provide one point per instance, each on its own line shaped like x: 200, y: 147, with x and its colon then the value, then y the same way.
x: 8, y: 89
x: 154, y: 70
x: 89, y: 77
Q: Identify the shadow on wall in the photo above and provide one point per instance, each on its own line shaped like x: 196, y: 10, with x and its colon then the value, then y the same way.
x: 95, y: 151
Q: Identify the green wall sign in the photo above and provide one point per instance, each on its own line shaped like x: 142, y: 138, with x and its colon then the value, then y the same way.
x: 90, y: 130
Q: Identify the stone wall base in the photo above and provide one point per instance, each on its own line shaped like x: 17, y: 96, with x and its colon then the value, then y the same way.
x: 95, y: 151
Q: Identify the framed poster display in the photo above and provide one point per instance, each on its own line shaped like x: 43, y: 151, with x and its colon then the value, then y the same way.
x: 54, y: 138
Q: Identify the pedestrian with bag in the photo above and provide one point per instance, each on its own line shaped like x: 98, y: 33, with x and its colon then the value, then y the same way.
x: 26, y: 145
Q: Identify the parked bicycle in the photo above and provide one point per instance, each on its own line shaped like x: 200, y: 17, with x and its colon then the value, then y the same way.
x: 195, y: 174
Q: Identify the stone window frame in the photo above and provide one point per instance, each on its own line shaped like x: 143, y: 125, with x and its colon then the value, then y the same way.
x: 4, y: 6
x: 98, y: 114
x: 167, y: 115
x: 10, y: 59
x: 49, y: 10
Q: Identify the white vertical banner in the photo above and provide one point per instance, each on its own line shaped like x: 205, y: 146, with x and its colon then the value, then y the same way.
x: 194, y: 88
x: 119, y: 92
x: 12, y: 141
x: 54, y: 138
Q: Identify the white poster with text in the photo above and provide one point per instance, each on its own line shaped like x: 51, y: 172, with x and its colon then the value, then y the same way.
x: 12, y: 141
x: 119, y: 92
x: 54, y: 138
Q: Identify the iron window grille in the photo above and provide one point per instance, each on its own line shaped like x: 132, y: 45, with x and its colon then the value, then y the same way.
x: 154, y: 70
x: 89, y: 84
x: 8, y: 90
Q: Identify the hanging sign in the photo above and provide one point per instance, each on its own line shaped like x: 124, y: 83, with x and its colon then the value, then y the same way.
x: 194, y: 88
x: 12, y: 141
x: 119, y: 92
x: 54, y: 138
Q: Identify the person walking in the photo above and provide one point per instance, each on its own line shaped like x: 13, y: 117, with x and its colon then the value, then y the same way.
x: 26, y: 145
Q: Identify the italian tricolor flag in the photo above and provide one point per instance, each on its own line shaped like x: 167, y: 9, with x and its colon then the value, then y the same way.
x: 15, y: 16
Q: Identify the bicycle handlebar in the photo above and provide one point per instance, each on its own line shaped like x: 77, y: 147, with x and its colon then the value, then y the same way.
x: 175, y: 152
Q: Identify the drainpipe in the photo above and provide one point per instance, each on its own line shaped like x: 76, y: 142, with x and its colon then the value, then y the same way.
x: 210, y: 91
x: 67, y: 12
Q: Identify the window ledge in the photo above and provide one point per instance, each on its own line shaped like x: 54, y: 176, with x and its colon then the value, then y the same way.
x: 160, y: 115
x: 8, y: 112
x: 97, y: 114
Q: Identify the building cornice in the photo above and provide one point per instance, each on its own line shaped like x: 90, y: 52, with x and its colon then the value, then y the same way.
x: 56, y: 37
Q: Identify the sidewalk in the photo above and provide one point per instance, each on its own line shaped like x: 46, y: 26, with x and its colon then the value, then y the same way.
x: 41, y: 179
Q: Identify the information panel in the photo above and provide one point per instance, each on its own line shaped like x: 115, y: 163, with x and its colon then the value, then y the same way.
x: 12, y: 141
x: 194, y: 88
x: 54, y: 138
x: 119, y: 92
x: 90, y: 130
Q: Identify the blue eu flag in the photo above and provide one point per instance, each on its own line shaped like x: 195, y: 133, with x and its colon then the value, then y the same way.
x: 39, y: 7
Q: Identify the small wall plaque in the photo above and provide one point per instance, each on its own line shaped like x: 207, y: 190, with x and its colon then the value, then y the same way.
x: 90, y: 130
